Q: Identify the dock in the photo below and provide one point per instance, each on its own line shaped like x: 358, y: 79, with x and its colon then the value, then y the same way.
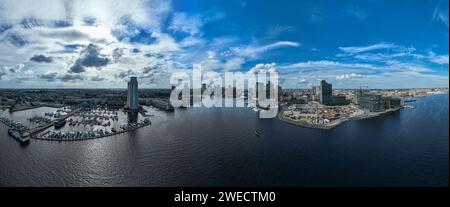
x: 94, y: 135
x: 42, y: 128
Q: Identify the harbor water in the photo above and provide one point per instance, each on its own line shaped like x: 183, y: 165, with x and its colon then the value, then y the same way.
x: 218, y: 147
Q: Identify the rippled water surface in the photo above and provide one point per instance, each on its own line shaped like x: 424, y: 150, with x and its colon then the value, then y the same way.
x: 218, y: 147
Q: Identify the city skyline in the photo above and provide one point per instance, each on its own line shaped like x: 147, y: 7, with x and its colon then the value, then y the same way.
x: 56, y: 44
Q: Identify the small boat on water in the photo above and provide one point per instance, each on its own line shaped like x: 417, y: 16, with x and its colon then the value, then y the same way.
x: 59, y: 124
x: 408, y: 106
x: 258, y: 133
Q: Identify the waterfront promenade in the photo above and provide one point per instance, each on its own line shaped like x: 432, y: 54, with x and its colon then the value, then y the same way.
x: 334, y: 123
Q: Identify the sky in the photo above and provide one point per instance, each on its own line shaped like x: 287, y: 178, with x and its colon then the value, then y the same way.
x: 101, y: 43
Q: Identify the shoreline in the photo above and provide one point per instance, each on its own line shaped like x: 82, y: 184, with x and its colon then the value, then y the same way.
x: 336, y: 123
x: 34, y: 107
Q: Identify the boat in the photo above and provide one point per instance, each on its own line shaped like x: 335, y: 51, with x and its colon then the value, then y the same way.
x: 59, y: 124
x: 15, y: 134
x: 408, y: 106
x: 258, y: 133
x: 266, y: 108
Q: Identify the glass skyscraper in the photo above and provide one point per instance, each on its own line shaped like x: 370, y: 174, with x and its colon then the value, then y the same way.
x: 132, y: 97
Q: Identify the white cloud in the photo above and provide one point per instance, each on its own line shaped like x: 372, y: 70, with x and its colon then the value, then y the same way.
x: 440, y: 14
x: 325, y: 64
x: 214, y: 62
x: 254, y: 51
x: 58, y: 29
x: 276, y: 30
x: 184, y: 23
x: 264, y: 68
x: 359, y: 49
x: 357, y: 13
x: 439, y: 59
x: 394, y: 74
x: 391, y: 53
x: 348, y: 76
x: 105, y: 12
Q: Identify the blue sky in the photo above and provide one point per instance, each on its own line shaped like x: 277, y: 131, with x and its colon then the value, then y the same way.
x: 350, y: 43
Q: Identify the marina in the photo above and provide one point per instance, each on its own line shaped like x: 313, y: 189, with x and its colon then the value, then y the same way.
x: 97, y: 134
x: 75, y: 124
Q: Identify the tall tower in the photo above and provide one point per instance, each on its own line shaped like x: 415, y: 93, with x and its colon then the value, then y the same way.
x: 132, y: 97
x: 326, y: 93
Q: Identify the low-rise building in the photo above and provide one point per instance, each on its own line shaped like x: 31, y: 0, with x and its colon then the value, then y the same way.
x: 392, y: 102
x: 371, y: 102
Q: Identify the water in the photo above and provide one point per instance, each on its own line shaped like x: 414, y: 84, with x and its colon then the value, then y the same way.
x: 218, y: 147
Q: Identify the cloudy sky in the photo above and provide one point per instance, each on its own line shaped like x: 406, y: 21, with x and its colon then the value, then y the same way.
x: 101, y: 43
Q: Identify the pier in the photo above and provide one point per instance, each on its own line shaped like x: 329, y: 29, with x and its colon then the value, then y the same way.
x: 79, y: 136
x: 42, y: 128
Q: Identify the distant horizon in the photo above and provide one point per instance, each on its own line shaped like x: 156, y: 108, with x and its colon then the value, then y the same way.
x: 170, y: 88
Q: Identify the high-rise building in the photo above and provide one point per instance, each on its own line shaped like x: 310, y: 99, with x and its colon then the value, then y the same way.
x: 260, y: 90
x: 280, y: 93
x: 132, y: 97
x: 315, y: 93
x: 270, y: 89
x: 357, y: 96
x: 316, y: 90
x: 203, y: 88
x: 326, y: 93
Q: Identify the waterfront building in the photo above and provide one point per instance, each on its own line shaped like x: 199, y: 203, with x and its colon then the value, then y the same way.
x: 326, y: 93
x: 316, y: 90
x: 270, y: 89
x: 203, y: 88
x: 371, y: 102
x: 280, y: 93
x: 132, y: 117
x: 392, y: 102
x: 339, y: 100
x: 357, y: 96
x: 315, y: 93
x: 260, y: 90
x: 132, y: 97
